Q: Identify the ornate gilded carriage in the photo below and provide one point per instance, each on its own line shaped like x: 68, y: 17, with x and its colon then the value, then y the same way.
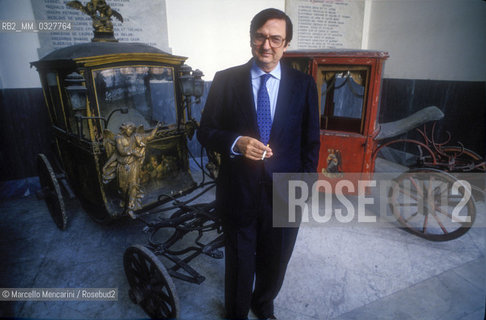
x: 93, y: 93
x: 121, y: 119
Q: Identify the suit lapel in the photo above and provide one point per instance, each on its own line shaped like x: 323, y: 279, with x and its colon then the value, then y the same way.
x: 283, y: 110
x: 244, y: 95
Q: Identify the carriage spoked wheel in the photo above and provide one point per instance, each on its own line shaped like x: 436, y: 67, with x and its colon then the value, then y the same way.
x: 432, y: 204
x: 51, y: 192
x: 151, y: 287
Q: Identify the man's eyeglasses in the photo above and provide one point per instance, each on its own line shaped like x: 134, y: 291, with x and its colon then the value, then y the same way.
x: 275, y: 41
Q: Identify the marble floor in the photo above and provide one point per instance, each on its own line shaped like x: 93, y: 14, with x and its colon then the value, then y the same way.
x: 336, y: 272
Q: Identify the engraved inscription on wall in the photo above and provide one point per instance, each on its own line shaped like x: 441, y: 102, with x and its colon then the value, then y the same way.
x: 320, y: 24
x: 145, y: 23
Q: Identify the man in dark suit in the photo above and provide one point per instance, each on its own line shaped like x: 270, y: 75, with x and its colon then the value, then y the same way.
x: 262, y: 117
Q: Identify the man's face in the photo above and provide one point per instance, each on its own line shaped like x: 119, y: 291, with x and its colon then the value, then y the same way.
x: 266, y: 56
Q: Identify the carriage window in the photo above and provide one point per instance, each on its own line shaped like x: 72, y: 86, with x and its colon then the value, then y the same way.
x: 342, y: 97
x: 54, y: 100
x: 147, y: 92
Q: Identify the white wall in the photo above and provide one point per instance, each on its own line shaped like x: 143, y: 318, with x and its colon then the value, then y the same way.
x: 426, y: 39
x: 431, y: 39
x: 18, y: 49
x: 214, y: 34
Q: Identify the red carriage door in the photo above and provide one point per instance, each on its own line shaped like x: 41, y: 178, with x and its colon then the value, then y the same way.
x: 343, y: 95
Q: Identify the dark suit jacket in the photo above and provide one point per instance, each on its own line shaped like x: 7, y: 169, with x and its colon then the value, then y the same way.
x: 230, y: 112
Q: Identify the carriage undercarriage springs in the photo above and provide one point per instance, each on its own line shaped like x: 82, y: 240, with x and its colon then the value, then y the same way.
x: 151, y: 284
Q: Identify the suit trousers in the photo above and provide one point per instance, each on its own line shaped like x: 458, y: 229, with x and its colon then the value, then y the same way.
x: 257, y: 255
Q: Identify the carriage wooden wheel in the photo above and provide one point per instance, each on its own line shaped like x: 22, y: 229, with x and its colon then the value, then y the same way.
x: 432, y: 204
x: 51, y: 191
x: 151, y: 287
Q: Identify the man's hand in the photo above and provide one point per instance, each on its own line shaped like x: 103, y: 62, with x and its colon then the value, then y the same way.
x: 253, y: 149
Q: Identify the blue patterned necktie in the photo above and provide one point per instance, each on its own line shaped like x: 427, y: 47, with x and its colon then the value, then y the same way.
x: 264, y: 118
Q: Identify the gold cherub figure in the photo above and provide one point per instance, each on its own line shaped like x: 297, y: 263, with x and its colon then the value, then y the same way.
x: 126, y: 153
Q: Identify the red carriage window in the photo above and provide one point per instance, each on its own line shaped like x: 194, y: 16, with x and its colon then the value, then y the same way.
x: 342, y: 97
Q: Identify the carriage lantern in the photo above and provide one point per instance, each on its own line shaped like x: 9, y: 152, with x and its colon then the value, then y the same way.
x: 76, y: 91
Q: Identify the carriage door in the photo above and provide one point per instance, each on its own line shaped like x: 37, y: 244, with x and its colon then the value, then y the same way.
x: 342, y: 103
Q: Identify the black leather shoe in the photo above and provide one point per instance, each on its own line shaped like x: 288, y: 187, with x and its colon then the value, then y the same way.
x: 267, y: 318
x: 260, y: 316
x: 232, y: 318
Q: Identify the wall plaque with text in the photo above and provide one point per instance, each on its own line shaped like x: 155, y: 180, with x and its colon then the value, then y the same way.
x: 145, y: 23
x: 322, y: 24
